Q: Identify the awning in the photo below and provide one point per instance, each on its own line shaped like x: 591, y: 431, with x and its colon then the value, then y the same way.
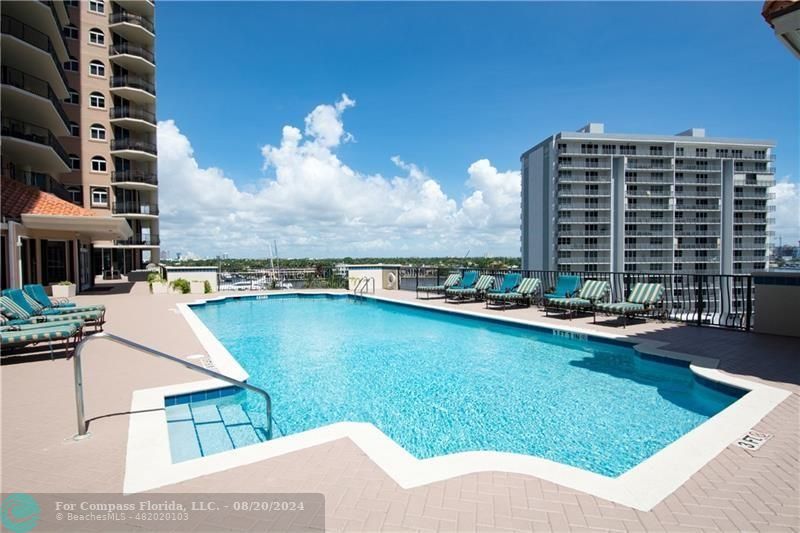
x: 94, y: 227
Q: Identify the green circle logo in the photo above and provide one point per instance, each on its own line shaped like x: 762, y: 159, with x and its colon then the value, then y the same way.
x: 20, y: 513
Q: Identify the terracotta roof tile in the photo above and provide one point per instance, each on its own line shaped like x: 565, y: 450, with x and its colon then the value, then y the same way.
x: 17, y: 198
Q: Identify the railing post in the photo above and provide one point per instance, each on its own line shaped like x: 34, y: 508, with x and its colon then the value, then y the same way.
x: 437, y: 276
x: 416, y: 271
x: 699, y: 300
x: 76, y: 364
x: 748, y: 304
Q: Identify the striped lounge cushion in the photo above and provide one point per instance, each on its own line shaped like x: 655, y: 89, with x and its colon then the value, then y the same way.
x: 451, y: 280
x: 575, y: 303
x: 622, y: 307
x: 646, y: 293
x: 36, y: 306
x: 431, y: 288
x: 593, y: 289
x: 528, y: 286
x: 11, y: 310
x: 86, y: 315
x: 39, y: 334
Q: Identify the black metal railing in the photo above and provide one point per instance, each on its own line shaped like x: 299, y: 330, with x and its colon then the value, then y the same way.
x: 140, y: 240
x: 133, y: 112
x: 281, y: 278
x: 134, y: 82
x: 37, y: 134
x: 133, y: 50
x: 695, y: 298
x: 43, y: 182
x: 124, y: 16
x: 32, y: 84
x: 132, y: 176
x: 20, y: 30
x: 130, y: 144
x: 134, y: 208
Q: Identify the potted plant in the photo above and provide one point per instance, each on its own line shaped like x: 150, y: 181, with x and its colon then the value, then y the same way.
x: 181, y: 286
x: 158, y: 285
x: 63, y: 289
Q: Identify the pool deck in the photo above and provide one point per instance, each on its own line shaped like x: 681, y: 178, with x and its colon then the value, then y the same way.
x: 738, y: 490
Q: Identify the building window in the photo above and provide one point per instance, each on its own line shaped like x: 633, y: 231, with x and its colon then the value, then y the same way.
x: 701, y: 152
x: 96, y: 36
x: 74, y: 162
x: 73, y: 97
x: 97, y: 132
x: 75, y: 195
x: 97, y: 6
x: 97, y: 100
x: 99, y: 197
x: 98, y: 164
x: 71, y: 65
x: 70, y: 32
x: 679, y: 151
x: 97, y: 68
x: 74, y: 129
x: 760, y: 154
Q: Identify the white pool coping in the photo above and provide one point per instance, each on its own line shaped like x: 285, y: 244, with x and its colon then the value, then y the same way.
x: 149, y: 464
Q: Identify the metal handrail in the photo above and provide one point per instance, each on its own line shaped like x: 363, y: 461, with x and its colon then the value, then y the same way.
x: 82, y: 427
x: 362, y: 285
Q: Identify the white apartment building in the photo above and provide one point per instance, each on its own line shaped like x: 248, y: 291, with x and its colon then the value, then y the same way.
x: 682, y: 204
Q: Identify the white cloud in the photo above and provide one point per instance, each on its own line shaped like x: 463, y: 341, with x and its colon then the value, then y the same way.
x: 787, y: 211
x: 316, y: 205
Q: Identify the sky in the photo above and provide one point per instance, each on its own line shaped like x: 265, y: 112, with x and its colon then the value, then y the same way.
x: 382, y: 129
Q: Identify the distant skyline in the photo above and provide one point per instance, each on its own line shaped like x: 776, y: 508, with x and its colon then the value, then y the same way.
x: 396, y: 129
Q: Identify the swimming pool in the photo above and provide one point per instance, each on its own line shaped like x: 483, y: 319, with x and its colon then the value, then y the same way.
x: 439, y: 383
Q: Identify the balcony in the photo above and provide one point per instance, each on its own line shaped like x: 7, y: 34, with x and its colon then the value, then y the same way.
x: 135, y: 210
x: 134, y: 150
x: 649, y: 165
x: 44, y: 107
x: 753, y: 169
x: 584, y: 165
x: 697, y: 207
x: 43, y: 182
x: 694, y: 167
x: 28, y: 144
x: 583, y: 233
x: 130, y: 179
x: 134, y: 88
x: 655, y: 180
x: 133, y: 118
x: 698, y: 246
x: 140, y: 240
x: 132, y: 27
x: 583, y: 179
x: 33, y: 49
x: 132, y: 57
x: 146, y: 8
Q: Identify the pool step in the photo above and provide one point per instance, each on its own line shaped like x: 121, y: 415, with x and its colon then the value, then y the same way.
x: 197, y: 430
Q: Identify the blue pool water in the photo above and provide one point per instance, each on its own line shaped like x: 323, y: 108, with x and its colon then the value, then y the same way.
x: 439, y: 383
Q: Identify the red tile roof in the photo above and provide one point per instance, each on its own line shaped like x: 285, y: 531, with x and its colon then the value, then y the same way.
x: 17, y: 198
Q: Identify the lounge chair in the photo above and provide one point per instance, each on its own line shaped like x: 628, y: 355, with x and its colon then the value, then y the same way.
x: 20, y: 315
x: 524, y: 294
x: 644, y: 299
x: 451, y: 281
x: 476, y: 292
x: 510, y: 283
x: 566, y: 287
x: 23, y: 335
x: 592, y: 292
x: 33, y: 307
x: 38, y: 293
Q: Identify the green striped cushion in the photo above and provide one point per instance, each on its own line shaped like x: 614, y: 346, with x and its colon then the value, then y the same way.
x: 67, y: 310
x: 570, y: 302
x: 431, y: 288
x: 34, y: 335
x: 622, y: 307
x: 37, y: 307
x: 87, y: 315
x: 507, y: 296
x: 451, y: 280
x: 593, y: 289
x: 528, y: 286
x: 11, y: 309
x: 484, y: 283
x: 3, y: 320
x: 646, y: 293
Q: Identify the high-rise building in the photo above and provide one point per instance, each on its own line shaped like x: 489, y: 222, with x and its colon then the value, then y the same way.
x: 686, y: 203
x: 79, y: 127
